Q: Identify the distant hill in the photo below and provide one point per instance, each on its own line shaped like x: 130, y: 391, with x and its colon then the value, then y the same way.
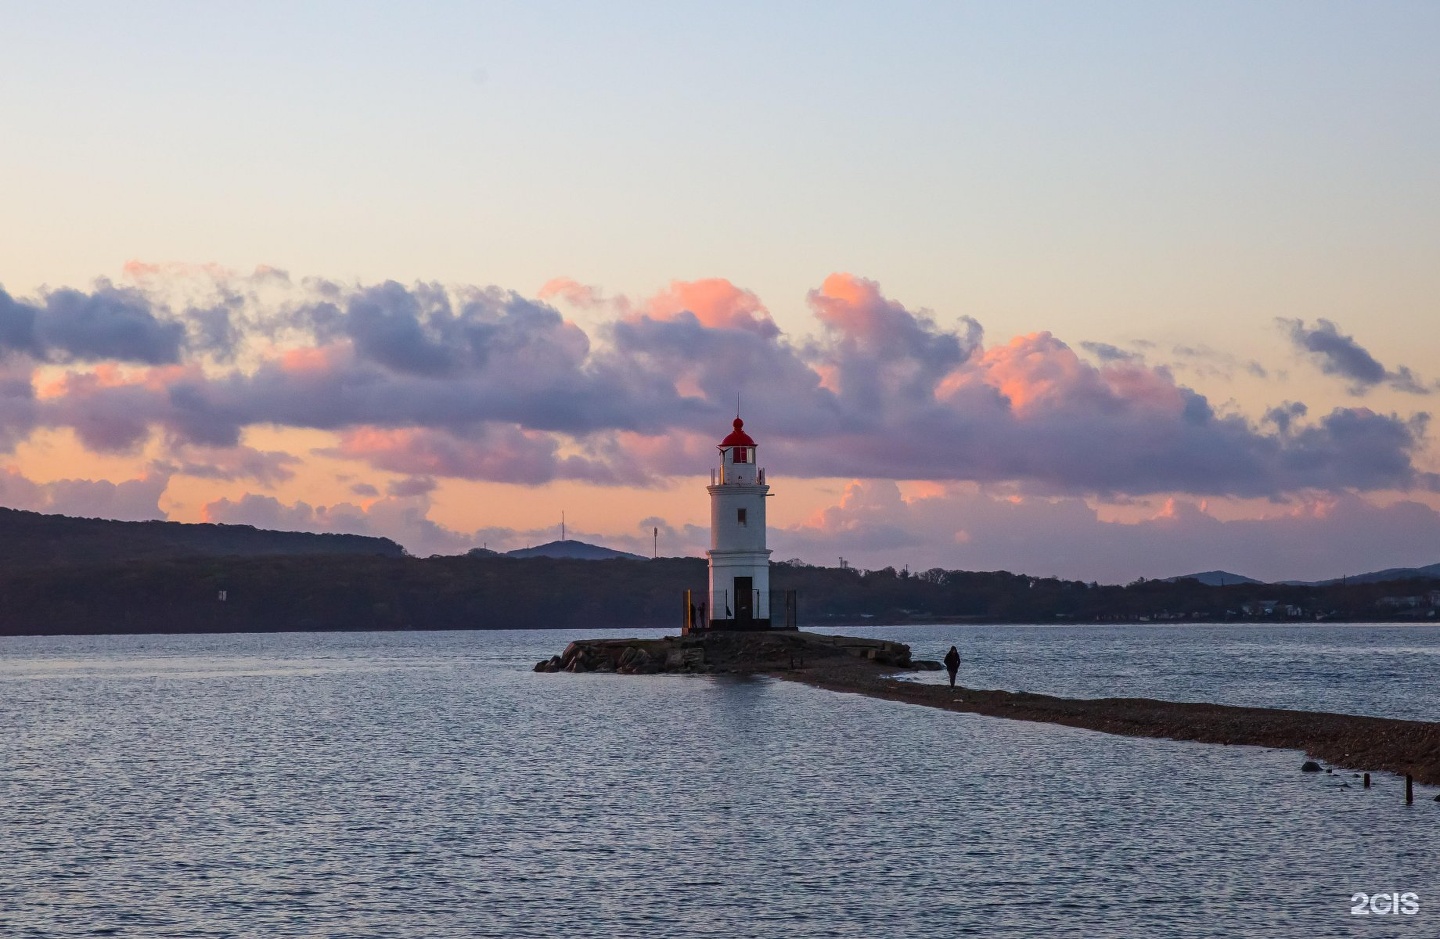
x: 1225, y: 578
x: 570, y: 548
x: 30, y: 539
x: 1215, y: 578
x: 1391, y: 573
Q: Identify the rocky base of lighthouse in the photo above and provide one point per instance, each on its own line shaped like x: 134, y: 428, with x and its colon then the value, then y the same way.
x: 726, y: 652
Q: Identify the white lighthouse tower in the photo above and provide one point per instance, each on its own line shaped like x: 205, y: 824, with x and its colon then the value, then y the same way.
x: 739, y: 560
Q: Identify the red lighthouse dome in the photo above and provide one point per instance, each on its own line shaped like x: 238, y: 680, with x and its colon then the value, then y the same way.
x: 738, y: 437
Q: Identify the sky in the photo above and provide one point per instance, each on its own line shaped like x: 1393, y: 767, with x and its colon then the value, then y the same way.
x: 1098, y: 291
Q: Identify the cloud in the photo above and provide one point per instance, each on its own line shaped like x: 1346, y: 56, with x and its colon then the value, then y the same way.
x: 411, y: 486
x: 716, y: 304
x: 129, y: 500
x: 493, y: 453
x: 1285, y: 415
x: 1107, y: 353
x: 267, y: 467
x: 1340, y: 355
x: 480, y: 383
x: 1033, y: 412
x: 1309, y: 538
x: 110, y: 411
x: 107, y: 323
x: 1203, y: 360
x: 572, y: 292
x: 18, y: 410
x: 876, y: 354
x: 402, y: 519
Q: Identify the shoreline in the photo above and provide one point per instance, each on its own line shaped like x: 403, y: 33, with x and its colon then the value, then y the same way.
x: 268, y: 629
x: 1343, y: 741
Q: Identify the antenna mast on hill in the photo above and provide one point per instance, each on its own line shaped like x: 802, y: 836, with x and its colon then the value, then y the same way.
x: 562, y: 524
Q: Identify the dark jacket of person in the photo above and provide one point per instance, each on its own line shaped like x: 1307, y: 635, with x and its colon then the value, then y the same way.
x: 952, y: 659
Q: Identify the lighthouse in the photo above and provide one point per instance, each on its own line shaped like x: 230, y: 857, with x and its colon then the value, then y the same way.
x: 739, y: 560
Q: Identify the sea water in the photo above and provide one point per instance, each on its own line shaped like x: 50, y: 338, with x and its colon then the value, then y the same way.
x: 430, y: 785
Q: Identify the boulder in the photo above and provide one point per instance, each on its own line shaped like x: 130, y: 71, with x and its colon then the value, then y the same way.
x: 1310, y: 766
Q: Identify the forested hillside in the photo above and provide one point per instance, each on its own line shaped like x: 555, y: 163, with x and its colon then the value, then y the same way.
x: 349, y: 592
x: 30, y: 538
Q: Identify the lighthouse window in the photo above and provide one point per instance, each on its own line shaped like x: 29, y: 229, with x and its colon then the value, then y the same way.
x: 742, y: 454
x: 741, y: 516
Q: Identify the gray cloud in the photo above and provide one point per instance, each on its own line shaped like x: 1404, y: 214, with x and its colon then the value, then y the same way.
x: 108, y: 323
x: 411, y: 486
x: 266, y: 467
x: 1284, y: 415
x: 496, y: 453
x: 1107, y: 353
x: 18, y: 410
x: 1204, y: 360
x: 1340, y: 355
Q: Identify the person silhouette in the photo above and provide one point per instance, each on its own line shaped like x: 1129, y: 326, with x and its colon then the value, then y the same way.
x: 952, y: 664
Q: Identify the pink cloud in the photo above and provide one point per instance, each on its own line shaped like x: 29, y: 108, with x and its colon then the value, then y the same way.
x: 572, y: 292
x: 716, y: 303
x: 131, y: 500
x: 1038, y: 374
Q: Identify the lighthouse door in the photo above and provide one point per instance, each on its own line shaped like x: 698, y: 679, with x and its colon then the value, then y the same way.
x: 744, y: 599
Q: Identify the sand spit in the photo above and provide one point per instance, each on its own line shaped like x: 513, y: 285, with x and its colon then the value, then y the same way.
x: 870, y: 667
x: 1341, y: 740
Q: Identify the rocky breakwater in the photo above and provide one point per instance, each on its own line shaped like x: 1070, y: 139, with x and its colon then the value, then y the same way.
x: 727, y: 652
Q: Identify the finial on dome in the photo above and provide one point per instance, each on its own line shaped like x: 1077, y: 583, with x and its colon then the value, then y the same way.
x: 738, y: 437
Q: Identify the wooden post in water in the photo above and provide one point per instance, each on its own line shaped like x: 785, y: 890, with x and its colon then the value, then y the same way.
x: 1367, y: 780
x: 1409, y: 789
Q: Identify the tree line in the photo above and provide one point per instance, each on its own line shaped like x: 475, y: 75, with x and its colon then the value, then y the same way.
x: 261, y: 593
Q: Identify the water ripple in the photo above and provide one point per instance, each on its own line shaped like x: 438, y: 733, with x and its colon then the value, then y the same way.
x: 429, y: 785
